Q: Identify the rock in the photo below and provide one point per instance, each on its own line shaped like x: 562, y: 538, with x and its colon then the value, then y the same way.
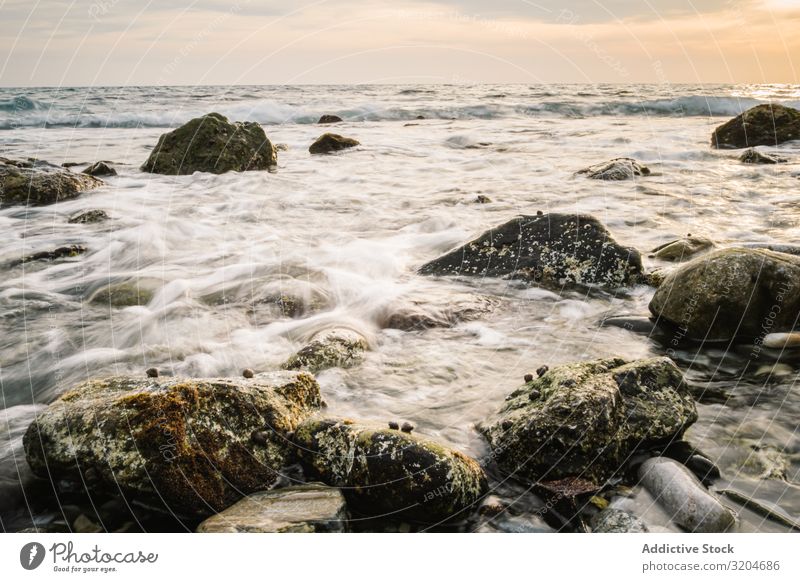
x: 586, y: 419
x: 768, y: 125
x: 636, y: 324
x: 65, y: 252
x: 333, y: 348
x: 550, y: 248
x: 88, y: 216
x: 36, y: 183
x: 682, y: 249
x: 423, y: 310
x: 616, y: 169
x: 753, y: 156
x: 782, y: 341
x: 184, y: 443
x: 212, y: 144
x: 124, y: 294
x: 386, y: 471
x: 482, y: 199
x: 612, y: 520
x: 730, y: 293
x: 300, y: 509
x: 151, y: 372
x: 83, y: 524
x: 329, y: 119
x: 683, y: 497
x: 248, y: 373
x: 100, y: 169
x: 331, y: 142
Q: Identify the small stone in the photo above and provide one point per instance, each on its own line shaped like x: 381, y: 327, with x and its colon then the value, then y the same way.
x: 152, y: 372
x: 541, y: 371
x: 782, y: 340
x: 88, y: 216
x: 491, y: 506
x: 329, y: 119
x: 100, y: 169
x: 528, y: 378
x: 248, y: 373
x: 407, y: 427
x: 539, y: 213
x: 616, y: 169
x: 83, y: 524
x: 393, y: 425
x: 534, y: 395
x: 259, y: 437
x: 331, y: 142
x: 482, y: 199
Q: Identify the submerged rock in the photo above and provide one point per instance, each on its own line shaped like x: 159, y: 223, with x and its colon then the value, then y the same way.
x: 586, y: 419
x: 683, y: 497
x: 88, y: 216
x: 753, y: 156
x: 333, y: 348
x: 37, y: 183
x: 384, y: 471
x: 329, y: 119
x: 100, y: 169
x: 300, y: 509
x: 769, y: 125
x: 65, y: 252
x: 186, y: 443
x: 212, y: 144
x: 682, y: 249
x: 612, y: 520
x: 332, y: 142
x: 616, y: 169
x: 730, y: 293
x: 421, y: 311
x: 125, y: 294
x: 550, y: 248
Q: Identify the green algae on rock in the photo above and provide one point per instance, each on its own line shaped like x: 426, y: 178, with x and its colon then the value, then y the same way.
x: 333, y: 348
x: 212, y: 144
x: 310, y: 508
x: 185, y: 443
x: 585, y: 419
x: 37, y: 183
x: 769, y: 124
x: 332, y: 142
x: 125, y: 294
x: 389, y: 472
x: 548, y: 248
x: 730, y: 293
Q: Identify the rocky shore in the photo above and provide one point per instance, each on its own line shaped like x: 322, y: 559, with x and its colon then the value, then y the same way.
x: 259, y: 453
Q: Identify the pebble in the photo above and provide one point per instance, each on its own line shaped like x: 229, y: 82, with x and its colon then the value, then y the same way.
x: 528, y: 378
x: 407, y: 427
x: 248, y: 373
x: 393, y: 425
x: 542, y: 371
x: 152, y: 372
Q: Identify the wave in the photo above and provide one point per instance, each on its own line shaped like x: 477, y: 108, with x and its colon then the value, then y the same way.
x: 24, y: 112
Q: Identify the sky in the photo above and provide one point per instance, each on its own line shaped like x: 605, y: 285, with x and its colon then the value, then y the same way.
x: 210, y: 42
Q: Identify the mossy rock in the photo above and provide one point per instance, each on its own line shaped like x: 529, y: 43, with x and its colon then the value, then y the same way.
x: 194, y: 446
x: 767, y: 125
x: 388, y: 472
x: 37, y: 183
x: 334, y: 348
x: 555, y: 249
x: 586, y: 419
x: 91, y: 216
x: 212, y: 144
x: 332, y: 142
x: 730, y: 293
x: 124, y: 294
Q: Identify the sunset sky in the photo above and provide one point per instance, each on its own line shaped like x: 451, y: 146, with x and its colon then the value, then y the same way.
x: 158, y: 42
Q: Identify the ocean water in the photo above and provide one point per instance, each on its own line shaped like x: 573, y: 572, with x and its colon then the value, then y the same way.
x: 347, y: 232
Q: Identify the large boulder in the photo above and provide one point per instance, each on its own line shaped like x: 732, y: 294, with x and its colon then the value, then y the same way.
x: 730, y: 293
x: 197, y: 445
x: 212, y: 144
x: 388, y: 472
x: 37, y: 183
x: 769, y: 125
x: 332, y: 142
x: 586, y: 419
x: 308, y: 508
x: 549, y: 248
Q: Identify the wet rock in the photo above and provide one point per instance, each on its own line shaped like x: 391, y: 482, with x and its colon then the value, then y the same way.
x: 482, y: 199
x: 612, y: 520
x: 407, y: 427
x: 212, y: 144
x: 184, y: 443
x: 589, y: 418
x: 151, y: 372
x: 333, y: 348
x: 753, y: 156
x: 386, y: 471
x: 549, y: 248
x: 65, y: 252
x: 248, y: 373
x: 37, y: 183
x: 655, y: 277
x: 762, y: 507
x: 300, y: 509
x: 782, y: 340
x: 332, y: 142
x: 329, y: 119
x: 768, y: 125
x: 423, y: 311
x: 83, y: 524
x: 730, y: 293
x: 88, y: 216
x: 682, y: 249
x: 124, y: 294
x: 616, y: 169
x: 683, y: 497
x: 636, y: 324
x: 100, y: 169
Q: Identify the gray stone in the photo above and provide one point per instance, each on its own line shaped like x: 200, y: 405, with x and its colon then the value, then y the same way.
x: 612, y: 520
x: 422, y: 311
x: 36, y: 183
x: 616, y: 169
